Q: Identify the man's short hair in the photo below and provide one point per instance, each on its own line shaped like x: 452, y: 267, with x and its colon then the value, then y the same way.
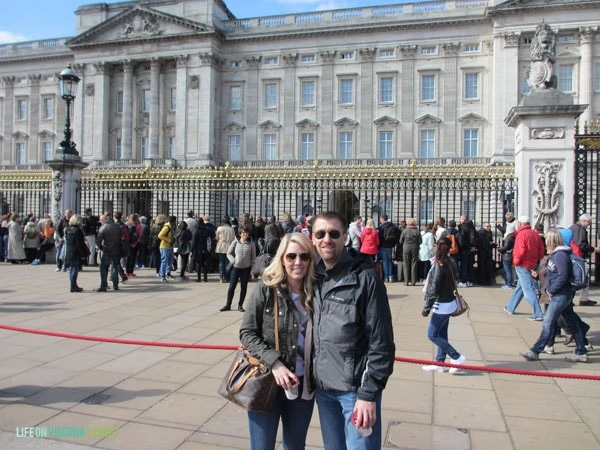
x: 329, y: 215
x: 585, y: 217
x: 523, y: 219
x: 384, y: 217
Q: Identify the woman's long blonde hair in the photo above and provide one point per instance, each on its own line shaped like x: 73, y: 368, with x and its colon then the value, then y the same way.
x: 274, y: 274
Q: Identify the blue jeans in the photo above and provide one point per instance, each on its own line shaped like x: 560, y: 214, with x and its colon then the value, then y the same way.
x: 385, y: 254
x: 73, y: 272
x: 58, y: 248
x: 437, y: 332
x: 223, y: 261
x: 295, y: 418
x: 109, y: 260
x: 166, y: 261
x: 526, y: 286
x: 335, y: 412
x: 560, y: 304
x: 508, y: 271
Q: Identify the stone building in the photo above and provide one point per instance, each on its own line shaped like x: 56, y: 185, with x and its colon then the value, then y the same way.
x: 187, y: 84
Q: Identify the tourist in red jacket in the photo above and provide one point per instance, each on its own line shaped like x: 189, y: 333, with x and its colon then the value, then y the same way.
x: 369, y: 239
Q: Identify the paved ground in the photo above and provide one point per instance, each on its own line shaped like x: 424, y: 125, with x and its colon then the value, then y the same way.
x: 165, y: 398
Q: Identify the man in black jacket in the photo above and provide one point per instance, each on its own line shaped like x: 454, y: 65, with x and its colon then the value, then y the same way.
x: 353, y: 339
x: 109, y: 242
x: 581, y: 247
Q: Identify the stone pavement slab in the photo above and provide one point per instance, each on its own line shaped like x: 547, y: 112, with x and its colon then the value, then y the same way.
x: 165, y: 398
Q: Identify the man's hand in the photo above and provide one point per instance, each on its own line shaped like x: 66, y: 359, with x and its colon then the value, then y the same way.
x: 365, y: 413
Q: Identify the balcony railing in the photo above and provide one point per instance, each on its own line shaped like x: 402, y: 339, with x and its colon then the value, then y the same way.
x: 351, y: 14
x: 24, y: 48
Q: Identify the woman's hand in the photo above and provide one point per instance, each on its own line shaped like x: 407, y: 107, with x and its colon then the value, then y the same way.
x: 283, y: 376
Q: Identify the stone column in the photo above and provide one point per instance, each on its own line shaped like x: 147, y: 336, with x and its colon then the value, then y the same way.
x: 586, y: 70
x: 448, y: 144
x: 408, y: 103
x: 252, y: 106
x: 326, y: 148
x: 127, y: 127
x: 154, y: 132
x: 34, y: 114
x: 97, y: 94
x: 364, y: 115
x: 9, y: 108
x: 504, y: 94
x: 544, y: 156
x: 181, y: 106
x: 288, y: 145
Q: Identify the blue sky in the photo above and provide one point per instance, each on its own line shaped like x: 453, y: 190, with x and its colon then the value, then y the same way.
x: 45, y: 19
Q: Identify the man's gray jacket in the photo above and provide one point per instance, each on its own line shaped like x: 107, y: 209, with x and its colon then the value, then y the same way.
x: 353, y: 335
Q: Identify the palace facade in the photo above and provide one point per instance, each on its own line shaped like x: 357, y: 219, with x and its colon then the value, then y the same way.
x: 186, y: 84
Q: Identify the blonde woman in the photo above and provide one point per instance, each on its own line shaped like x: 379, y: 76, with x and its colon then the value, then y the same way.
x: 369, y: 239
x: 291, y: 274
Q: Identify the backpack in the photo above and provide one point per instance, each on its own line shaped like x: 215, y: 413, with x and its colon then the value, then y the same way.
x: 579, y: 275
x: 133, y: 237
x: 390, y: 235
x: 454, y: 249
x: 124, y: 251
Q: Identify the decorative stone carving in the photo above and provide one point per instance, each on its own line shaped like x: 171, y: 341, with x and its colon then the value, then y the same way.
x: 408, y: 51
x: 45, y: 134
x: 8, y: 81
x: 182, y: 61
x: 100, y: 68
x: 89, y: 89
x: 20, y: 135
x: 451, y: 48
x: 57, y: 192
x: 141, y: 25
x: 345, y: 123
x: 548, y: 193
x: 194, y: 82
x: 543, y: 55
x: 210, y: 59
x: 386, y: 122
x: 290, y: 59
x: 269, y: 125
x: 587, y: 34
x: 307, y: 124
x: 253, y: 62
x: 547, y: 133
x: 368, y: 53
x: 328, y: 56
x: 511, y: 39
x: 34, y: 78
x: 234, y: 126
x: 79, y: 68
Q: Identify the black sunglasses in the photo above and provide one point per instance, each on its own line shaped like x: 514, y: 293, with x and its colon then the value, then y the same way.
x: 333, y: 234
x: 291, y: 257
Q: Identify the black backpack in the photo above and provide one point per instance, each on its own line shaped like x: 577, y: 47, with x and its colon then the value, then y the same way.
x: 133, y: 237
x: 390, y: 235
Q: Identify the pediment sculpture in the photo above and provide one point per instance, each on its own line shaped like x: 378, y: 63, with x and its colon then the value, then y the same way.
x: 141, y: 26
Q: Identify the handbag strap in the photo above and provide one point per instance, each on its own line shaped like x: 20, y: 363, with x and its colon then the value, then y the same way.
x: 276, y: 318
x: 454, y: 280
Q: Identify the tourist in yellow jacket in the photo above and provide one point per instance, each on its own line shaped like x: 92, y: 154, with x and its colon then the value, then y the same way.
x: 167, y: 238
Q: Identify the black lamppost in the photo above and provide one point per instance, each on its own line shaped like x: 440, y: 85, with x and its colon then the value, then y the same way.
x: 68, y: 89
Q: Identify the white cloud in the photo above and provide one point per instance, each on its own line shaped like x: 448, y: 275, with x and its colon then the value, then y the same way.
x: 333, y: 4
x: 7, y: 36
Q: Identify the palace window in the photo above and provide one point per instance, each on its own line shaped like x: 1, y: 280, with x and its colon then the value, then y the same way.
x: 472, y: 86
x: 270, y: 95
x: 346, y: 92
x: 270, y: 147
x: 428, y: 88
x: 118, y: 149
x: 119, y: 105
x: 429, y: 50
x: 272, y: 61
x: 347, y: 55
x: 21, y: 110
x: 308, y: 94
x: 426, y: 210
x: 386, y: 90
x: 345, y: 145
x: 597, y: 77
x: 20, y: 153
x: 171, y: 146
x: 47, y: 151
x: 386, y: 144
x: 235, y: 98
x: 145, y: 100
x: 173, y: 99
x: 427, y: 144
x: 565, y: 77
x: 308, y: 58
x: 47, y: 108
x: 470, y: 48
x: 144, y: 147
x: 234, y: 144
x: 307, y: 146
x: 387, y: 53
x: 471, y: 142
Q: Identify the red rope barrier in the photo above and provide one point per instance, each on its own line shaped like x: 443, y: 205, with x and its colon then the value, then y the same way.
x: 534, y: 373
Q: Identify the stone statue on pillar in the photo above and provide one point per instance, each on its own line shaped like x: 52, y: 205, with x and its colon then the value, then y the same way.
x: 543, y: 56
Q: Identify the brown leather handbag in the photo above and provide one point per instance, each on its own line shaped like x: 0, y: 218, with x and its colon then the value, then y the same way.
x: 248, y: 382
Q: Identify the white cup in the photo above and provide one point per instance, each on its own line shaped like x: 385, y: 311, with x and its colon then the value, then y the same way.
x: 292, y: 394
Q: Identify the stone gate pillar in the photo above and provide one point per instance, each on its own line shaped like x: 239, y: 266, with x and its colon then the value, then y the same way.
x: 66, y: 184
x: 545, y: 156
